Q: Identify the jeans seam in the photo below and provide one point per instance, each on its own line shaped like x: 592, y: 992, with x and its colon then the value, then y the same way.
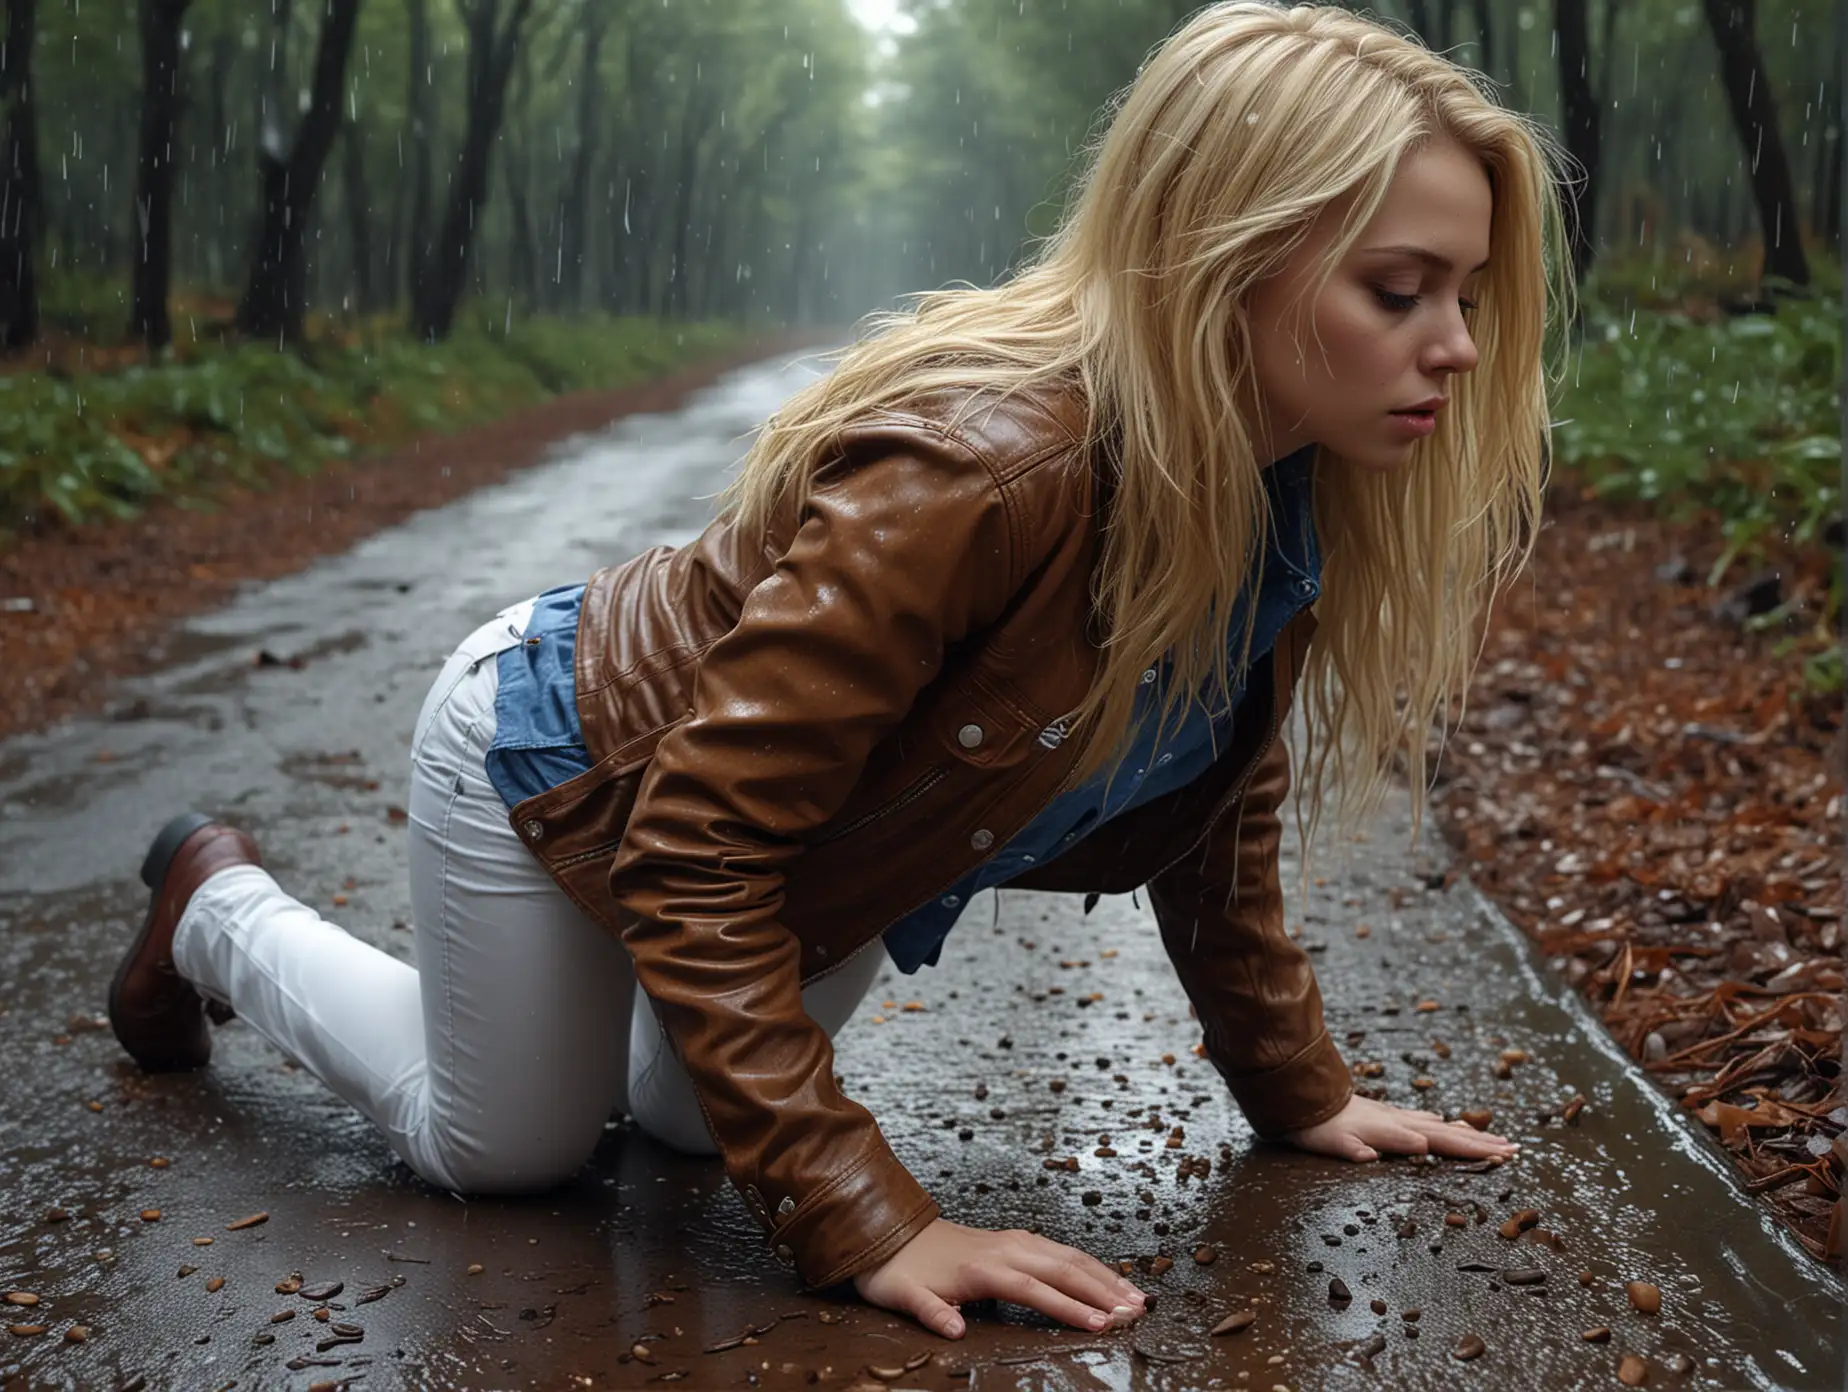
x: 439, y: 1137
x: 508, y: 638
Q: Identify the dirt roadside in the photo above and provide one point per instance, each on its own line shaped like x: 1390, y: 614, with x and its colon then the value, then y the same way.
x: 1644, y: 786
x: 81, y: 606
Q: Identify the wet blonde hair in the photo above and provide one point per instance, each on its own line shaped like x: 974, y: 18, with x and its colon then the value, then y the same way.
x: 1243, y: 126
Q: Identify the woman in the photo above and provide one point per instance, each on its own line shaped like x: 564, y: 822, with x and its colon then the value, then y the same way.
x: 1020, y: 594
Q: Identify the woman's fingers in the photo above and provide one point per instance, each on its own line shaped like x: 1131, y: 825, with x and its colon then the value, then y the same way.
x: 935, y: 1314
x: 1079, y: 1275
x: 1455, y: 1141
x: 1023, y: 1288
x: 1460, y: 1138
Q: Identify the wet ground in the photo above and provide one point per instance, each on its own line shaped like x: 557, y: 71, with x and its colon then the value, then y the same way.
x: 1046, y: 1036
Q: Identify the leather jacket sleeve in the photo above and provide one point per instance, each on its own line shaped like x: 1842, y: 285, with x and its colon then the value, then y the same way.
x: 1222, y: 922
x: 904, y: 547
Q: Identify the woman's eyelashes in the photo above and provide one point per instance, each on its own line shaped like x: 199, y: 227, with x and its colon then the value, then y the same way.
x: 1400, y: 304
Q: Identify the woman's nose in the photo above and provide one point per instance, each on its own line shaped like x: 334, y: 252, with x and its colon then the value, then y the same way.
x: 1455, y: 351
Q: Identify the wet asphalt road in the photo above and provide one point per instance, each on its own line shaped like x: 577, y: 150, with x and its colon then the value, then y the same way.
x: 1044, y: 1032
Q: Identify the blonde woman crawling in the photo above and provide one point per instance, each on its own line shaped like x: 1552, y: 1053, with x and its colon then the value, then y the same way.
x: 1021, y: 594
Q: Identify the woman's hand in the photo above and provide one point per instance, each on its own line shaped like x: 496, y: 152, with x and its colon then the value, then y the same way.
x: 1364, y: 1128
x: 946, y: 1264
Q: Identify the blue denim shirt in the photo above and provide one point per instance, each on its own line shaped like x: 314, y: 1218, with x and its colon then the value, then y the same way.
x: 538, y: 744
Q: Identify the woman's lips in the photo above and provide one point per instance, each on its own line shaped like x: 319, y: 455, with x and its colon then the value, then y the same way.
x: 1415, y: 423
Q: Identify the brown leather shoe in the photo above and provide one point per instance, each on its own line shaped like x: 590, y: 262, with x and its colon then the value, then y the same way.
x: 155, y: 1013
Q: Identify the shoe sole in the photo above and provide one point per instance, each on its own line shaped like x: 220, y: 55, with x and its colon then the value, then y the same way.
x: 153, y: 872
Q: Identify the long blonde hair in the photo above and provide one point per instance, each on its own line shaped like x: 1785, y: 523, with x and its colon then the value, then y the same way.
x: 1210, y: 167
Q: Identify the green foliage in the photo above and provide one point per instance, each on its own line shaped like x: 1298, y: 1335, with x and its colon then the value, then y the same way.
x: 103, y: 445
x: 1742, y: 415
x: 92, y: 304
x: 1735, y: 417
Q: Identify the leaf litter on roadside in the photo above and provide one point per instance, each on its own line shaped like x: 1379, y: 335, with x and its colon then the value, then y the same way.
x: 1653, y: 794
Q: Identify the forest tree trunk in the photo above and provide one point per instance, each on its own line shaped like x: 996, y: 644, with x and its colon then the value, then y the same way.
x: 21, y: 207
x: 695, y: 117
x: 359, y: 216
x: 1754, y: 113
x: 273, y: 306
x: 217, y: 253
x: 491, y: 51
x: 1485, y: 36
x: 151, y: 271
x: 574, y: 234
x: 1581, y: 121
x: 419, y: 103
x: 516, y: 157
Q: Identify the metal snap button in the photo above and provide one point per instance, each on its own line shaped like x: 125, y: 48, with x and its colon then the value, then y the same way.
x: 1164, y: 759
x: 1148, y: 676
x: 950, y: 901
x: 787, y: 1207
x: 983, y: 839
x: 970, y: 736
x: 821, y: 949
x: 785, y: 1254
x: 534, y: 828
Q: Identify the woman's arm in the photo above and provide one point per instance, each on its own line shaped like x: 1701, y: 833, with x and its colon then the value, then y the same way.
x: 1221, y: 916
x: 904, y: 548
x: 1222, y: 921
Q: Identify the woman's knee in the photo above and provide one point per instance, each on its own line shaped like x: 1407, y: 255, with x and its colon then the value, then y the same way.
x: 674, y: 1118
x: 519, y: 1165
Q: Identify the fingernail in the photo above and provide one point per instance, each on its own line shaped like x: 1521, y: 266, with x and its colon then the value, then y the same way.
x: 1124, y: 1312
x: 1097, y: 1319
x: 953, y: 1326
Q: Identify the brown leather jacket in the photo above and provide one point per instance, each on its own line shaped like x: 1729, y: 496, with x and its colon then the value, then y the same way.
x: 795, y: 747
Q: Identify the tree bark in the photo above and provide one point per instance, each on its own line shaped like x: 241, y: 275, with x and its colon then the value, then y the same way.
x: 522, y: 243
x: 359, y: 216
x: 491, y: 50
x: 1834, y: 147
x: 1828, y: 216
x: 152, y: 268
x: 1754, y: 113
x: 1422, y: 20
x: 696, y: 119
x: 1579, y: 108
x: 273, y: 303
x: 575, y: 214
x: 224, y: 53
x: 1485, y: 35
x: 21, y: 206
x: 419, y: 106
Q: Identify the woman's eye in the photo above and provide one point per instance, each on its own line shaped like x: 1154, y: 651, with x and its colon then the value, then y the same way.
x: 1399, y: 304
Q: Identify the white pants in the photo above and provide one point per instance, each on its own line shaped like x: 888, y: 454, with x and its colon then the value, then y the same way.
x: 492, y: 1065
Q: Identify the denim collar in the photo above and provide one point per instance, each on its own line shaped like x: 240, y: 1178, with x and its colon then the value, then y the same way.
x: 1290, y: 485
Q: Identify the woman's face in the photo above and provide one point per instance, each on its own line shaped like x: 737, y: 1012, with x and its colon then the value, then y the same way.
x: 1359, y: 367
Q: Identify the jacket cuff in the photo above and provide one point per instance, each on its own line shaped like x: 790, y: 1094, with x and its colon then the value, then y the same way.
x: 859, y: 1220
x: 1299, y: 1093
